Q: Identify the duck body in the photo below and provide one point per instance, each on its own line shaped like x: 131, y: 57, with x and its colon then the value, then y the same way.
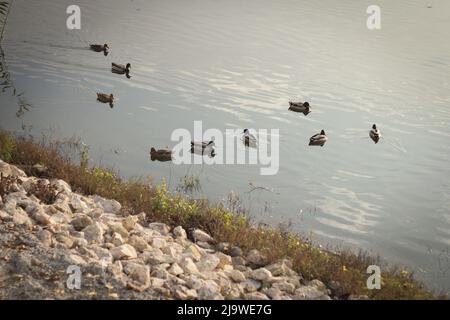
x: 100, y: 48
x: 302, y: 107
x: 160, y: 155
x: 318, y: 139
x: 106, y: 98
x: 375, y: 134
x: 249, y: 139
x: 204, y: 147
x: 121, y: 69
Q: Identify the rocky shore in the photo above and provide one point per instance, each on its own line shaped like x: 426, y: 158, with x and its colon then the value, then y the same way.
x: 46, y: 231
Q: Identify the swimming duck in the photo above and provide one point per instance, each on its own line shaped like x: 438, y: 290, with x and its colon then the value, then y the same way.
x: 106, y: 98
x: 161, y: 154
x: 204, y: 147
x: 302, y: 107
x: 100, y: 48
x: 375, y: 134
x: 121, y: 69
x: 318, y: 139
x: 249, y: 139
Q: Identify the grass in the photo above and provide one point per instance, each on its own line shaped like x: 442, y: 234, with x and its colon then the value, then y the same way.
x: 346, y: 268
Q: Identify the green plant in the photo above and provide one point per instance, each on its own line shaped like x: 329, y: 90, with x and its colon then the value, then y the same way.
x: 7, y: 146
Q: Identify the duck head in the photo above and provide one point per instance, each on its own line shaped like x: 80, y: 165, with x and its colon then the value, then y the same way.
x: 374, y: 127
x: 245, y: 131
x: 128, y: 66
x: 105, y: 49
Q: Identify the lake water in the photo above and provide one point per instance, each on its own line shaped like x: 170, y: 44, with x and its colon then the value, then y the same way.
x: 236, y: 64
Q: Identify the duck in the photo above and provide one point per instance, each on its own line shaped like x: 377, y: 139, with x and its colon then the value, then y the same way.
x: 204, y: 147
x: 302, y: 107
x: 100, y: 48
x: 318, y: 139
x: 249, y: 139
x: 106, y: 98
x: 375, y: 134
x: 121, y: 69
x: 161, y: 154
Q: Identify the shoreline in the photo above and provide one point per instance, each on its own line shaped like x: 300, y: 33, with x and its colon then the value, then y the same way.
x: 240, y: 260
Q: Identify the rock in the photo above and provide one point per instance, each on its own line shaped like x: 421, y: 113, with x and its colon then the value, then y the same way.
x: 273, y: 293
x: 235, y: 252
x: 250, y: 285
x: 223, y: 247
x: 61, y: 186
x: 139, y: 274
x: 194, y: 251
x: 9, y: 170
x: 162, y: 228
x: 123, y: 252
x: 255, y: 296
x: 118, y: 228
x: 129, y: 222
x: 261, y: 274
x: 224, y: 260
x: 76, y: 260
x: 77, y: 204
x: 65, y: 240
x: 185, y: 294
x: 175, y: 269
x: 45, y: 237
x: 358, y: 297
x: 93, y: 233
x: 209, y: 291
x: 188, y: 265
x: 155, y: 256
x: 281, y: 268
x: 179, y: 232
x: 59, y: 218
x: 79, y: 242
x: 208, y: 263
x: 103, y: 254
x: 157, y: 282
x: 237, y: 276
x: 21, y: 218
x: 308, y: 293
x: 256, y: 258
x: 202, y: 236
x: 319, y: 285
x: 238, y: 261
x: 109, y: 206
x: 284, y: 286
x: 138, y: 243
x: 117, y: 239
x: 204, y: 245
x: 159, y: 242
x: 81, y: 221
x: 41, y: 217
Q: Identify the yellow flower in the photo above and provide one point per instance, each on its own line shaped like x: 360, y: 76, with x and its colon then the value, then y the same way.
x: 344, y: 268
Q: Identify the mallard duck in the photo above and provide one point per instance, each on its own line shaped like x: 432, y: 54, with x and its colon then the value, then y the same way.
x: 318, y: 139
x: 100, y: 48
x: 106, y: 98
x: 249, y: 139
x: 121, y: 69
x: 204, y: 147
x: 161, y: 154
x: 302, y: 107
x: 375, y: 134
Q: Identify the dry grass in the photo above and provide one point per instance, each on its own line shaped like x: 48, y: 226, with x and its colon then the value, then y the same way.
x: 346, y: 268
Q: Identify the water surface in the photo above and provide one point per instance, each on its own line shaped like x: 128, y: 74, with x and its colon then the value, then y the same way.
x: 235, y: 64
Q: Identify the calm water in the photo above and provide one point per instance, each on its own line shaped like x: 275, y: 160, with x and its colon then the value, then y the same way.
x: 236, y: 64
